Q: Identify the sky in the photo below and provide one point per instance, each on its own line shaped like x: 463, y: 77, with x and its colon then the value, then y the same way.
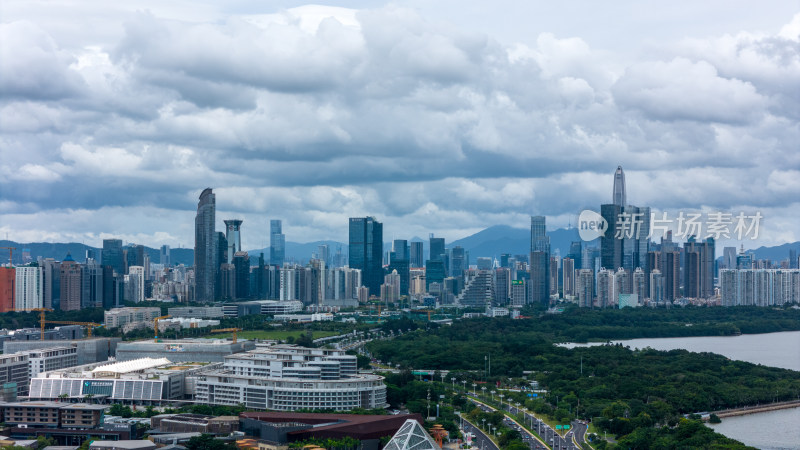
x: 438, y: 117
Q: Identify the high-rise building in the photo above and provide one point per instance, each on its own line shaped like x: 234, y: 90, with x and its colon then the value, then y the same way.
x: 639, y: 284
x: 584, y: 286
x: 112, y: 255
x: 134, y: 256
x: 672, y: 275
x: 417, y: 257
x: 610, y: 245
x: 553, y: 273
x: 458, y: 262
x: 729, y: 257
x: 699, y: 268
x: 759, y: 287
x: 71, y: 284
x: 519, y: 293
x: 164, y: 256
x: 502, y: 285
x: 605, y: 288
x: 7, y: 288
x: 568, y: 277
x: 366, y: 251
x: 241, y: 264
x: 437, y: 248
x: 656, y: 286
x: 575, y: 253
x: 794, y: 262
x: 29, y: 287
x: 234, y: 238
x: 434, y: 273
x: 51, y: 271
x: 538, y: 284
x: 540, y: 242
x: 206, y: 262
x: 134, y: 284
x: 619, y: 197
x: 399, y: 261
x: 277, y: 243
x: 91, y: 285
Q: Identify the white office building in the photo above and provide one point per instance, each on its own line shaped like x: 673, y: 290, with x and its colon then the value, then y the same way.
x: 29, y: 288
x: 289, y: 378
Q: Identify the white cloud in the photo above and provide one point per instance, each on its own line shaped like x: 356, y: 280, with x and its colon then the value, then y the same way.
x: 112, y: 123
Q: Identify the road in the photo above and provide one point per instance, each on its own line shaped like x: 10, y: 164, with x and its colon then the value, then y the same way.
x: 580, y: 430
x: 481, y: 441
x: 553, y: 439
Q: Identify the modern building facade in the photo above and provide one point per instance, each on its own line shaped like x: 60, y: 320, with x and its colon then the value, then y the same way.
x: 29, y: 288
x: 205, y: 247
x: 366, y: 251
x: 71, y: 284
x: 290, y: 378
x: 277, y: 243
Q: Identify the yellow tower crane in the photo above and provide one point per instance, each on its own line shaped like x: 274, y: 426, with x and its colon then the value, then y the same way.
x: 89, y: 325
x: 41, y: 318
x: 226, y: 330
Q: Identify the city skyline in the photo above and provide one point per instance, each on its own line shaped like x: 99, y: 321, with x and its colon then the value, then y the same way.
x: 431, y: 118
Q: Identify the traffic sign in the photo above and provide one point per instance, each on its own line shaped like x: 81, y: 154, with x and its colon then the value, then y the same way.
x: 558, y: 427
x: 566, y: 427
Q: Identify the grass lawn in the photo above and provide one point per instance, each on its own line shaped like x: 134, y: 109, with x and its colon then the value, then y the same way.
x: 270, y: 334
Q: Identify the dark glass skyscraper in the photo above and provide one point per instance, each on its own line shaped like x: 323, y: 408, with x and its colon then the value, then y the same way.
x: 112, y: 255
x: 417, y: 258
x: 539, y: 261
x: 366, y: 251
x: 205, y: 247
x: 277, y: 243
x: 399, y: 261
x: 437, y: 249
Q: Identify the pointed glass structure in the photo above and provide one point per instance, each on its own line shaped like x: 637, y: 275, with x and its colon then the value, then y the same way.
x: 619, y: 188
x: 411, y: 436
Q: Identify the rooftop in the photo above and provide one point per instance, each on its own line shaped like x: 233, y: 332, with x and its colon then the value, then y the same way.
x: 135, y: 365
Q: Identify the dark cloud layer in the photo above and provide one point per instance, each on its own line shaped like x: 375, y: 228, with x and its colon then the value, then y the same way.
x: 315, y: 114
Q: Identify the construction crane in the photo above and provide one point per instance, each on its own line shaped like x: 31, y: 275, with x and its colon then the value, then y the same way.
x: 155, y: 324
x: 426, y: 311
x: 41, y: 318
x: 226, y: 330
x: 89, y: 325
x: 10, y: 250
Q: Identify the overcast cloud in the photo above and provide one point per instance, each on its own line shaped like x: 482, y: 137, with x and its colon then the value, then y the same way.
x: 443, y: 118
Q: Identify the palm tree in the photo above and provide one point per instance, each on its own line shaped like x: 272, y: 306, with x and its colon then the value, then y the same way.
x: 63, y: 396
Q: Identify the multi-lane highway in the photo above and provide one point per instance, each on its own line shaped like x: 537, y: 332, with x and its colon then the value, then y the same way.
x: 480, y: 441
x: 550, y: 437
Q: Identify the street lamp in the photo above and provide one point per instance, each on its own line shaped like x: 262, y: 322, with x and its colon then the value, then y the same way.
x: 473, y: 388
x: 454, y: 382
x: 483, y: 388
x: 464, y: 383
x: 493, y: 395
x: 501, y: 401
x: 484, y: 423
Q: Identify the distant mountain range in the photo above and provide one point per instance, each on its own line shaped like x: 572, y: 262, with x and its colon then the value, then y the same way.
x: 491, y: 242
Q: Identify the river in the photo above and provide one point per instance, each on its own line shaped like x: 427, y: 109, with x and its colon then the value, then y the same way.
x: 774, y: 430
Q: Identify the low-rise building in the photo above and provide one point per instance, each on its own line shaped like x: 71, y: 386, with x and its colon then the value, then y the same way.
x: 191, y: 423
x: 183, y: 350
x: 201, y: 312
x: 140, y: 444
x: 144, y: 381
x: 289, y: 378
x: 96, y: 349
x: 54, y: 358
x: 119, y: 317
x: 14, y: 374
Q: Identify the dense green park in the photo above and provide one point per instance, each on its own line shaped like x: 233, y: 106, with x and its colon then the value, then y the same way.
x: 634, y: 395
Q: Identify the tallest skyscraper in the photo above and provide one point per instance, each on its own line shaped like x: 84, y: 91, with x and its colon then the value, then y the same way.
x: 205, y: 247
x: 619, y: 188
